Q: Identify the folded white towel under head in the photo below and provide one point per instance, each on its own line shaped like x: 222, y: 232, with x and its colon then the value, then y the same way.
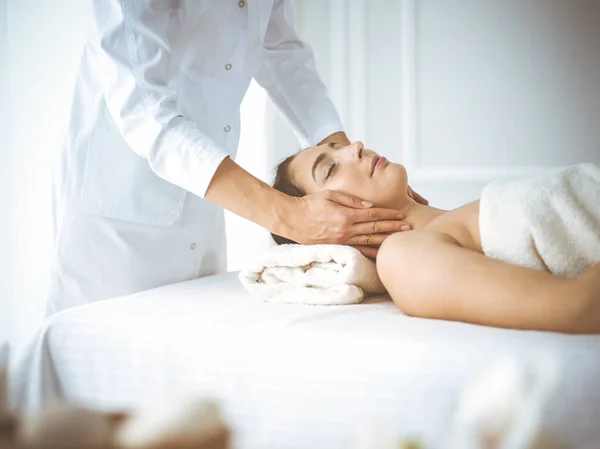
x: 312, y: 274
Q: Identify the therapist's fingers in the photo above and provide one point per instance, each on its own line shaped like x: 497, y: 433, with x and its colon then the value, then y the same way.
x: 379, y: 227
x: 418, y: 198
x: 374, y: 240
x: 373, y: 214
x: 344, y: 199
x: 368, y: 251
x: 362, y: 210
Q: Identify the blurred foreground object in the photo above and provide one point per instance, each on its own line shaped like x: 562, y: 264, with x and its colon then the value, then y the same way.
x: 186, y: 424
x: 503, y: 408
x: 65, y: 428
x: 7, y: 420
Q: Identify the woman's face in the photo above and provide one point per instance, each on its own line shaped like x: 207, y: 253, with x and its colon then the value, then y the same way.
x: 353, y: 170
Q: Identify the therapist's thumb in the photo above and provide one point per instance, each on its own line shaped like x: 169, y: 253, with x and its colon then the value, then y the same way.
x: 346, y: 200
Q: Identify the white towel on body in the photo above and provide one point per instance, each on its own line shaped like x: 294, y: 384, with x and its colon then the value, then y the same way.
x: 312, y: 274
x: 550, y: 222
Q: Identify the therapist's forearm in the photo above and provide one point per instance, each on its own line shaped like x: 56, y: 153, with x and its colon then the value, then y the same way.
x: 236, y: 190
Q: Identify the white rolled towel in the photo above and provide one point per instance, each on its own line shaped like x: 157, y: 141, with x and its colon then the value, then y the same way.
x: 312, y: 274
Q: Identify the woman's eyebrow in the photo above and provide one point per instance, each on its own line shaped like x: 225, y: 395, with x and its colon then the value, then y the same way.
x: 317, y: 161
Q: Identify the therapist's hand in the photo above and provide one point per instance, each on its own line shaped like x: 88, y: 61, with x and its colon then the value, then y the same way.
x: 337, y: 218
x: 418, y: 198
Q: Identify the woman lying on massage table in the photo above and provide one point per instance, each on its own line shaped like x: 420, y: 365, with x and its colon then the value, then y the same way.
x: 442, y: 270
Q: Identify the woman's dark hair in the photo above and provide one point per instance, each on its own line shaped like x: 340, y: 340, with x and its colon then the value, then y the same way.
x: 283, y: 182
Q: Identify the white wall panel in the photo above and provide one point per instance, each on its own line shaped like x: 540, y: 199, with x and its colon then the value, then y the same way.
x: 507, y: 84
x: 5, y: 228
x: 466, y: 91
x: 383, y: 25
x: 45, y: 40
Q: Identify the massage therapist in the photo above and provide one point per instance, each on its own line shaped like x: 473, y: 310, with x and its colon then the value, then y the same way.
x: 146, y: 166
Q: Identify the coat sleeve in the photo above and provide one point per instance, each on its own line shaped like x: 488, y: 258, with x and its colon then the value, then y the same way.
x: 134, y: 67
x: 289, y: 74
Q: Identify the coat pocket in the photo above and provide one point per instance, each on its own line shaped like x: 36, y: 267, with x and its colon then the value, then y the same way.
x: 119, y: 184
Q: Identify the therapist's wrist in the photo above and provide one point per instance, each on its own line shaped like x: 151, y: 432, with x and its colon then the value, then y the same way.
x: 238, y: 191
x: 285, y: 207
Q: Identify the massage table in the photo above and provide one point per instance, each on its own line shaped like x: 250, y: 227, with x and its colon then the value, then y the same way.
x: 293, y: 376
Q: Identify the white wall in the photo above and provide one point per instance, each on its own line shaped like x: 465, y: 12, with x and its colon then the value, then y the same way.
x: 466, y: 91
x: 5, y: 166
x: 509, y: 88
x: 44, y: 44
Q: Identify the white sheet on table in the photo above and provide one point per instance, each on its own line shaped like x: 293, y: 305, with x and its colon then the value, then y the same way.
x: 291, y: 376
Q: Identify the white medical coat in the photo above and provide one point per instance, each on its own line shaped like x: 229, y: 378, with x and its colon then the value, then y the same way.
x: 155, y: 111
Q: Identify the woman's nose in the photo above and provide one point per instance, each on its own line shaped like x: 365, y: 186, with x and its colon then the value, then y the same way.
x: 357, y: 150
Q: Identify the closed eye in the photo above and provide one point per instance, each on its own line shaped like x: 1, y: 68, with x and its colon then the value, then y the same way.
x: 330, y: 171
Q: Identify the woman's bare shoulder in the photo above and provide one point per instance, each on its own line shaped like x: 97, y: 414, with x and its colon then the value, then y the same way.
x: 462, y: 225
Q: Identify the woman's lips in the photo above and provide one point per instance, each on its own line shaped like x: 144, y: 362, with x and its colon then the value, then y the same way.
x: 378, y: 162
x: 374, y: 164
